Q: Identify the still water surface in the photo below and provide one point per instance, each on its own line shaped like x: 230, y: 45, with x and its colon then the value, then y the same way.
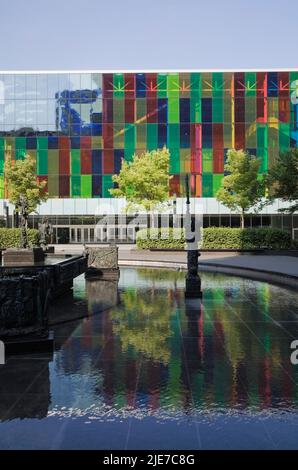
x: 144, y: 369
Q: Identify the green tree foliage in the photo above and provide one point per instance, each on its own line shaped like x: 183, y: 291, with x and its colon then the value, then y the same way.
x: 22, y: 181
x: 243, y: 187
x: 283, y: 177
x: 144, y: 182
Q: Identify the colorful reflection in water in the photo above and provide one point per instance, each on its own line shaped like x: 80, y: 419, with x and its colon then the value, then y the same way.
x: 154, y: 371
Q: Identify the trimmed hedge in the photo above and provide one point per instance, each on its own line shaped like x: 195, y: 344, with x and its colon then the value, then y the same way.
x: 11, y: 237
x: 172, y: 238
x: 217, y: 238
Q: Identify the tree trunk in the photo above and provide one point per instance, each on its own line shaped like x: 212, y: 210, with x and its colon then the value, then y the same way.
x: 242, y: 218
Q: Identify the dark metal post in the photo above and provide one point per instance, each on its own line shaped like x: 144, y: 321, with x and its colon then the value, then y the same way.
x: 193, y: 281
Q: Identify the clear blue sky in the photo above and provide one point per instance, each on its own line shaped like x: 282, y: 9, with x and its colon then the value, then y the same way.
x: 142, y: 34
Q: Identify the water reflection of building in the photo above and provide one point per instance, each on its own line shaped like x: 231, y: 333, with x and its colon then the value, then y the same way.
x: 231, y: 354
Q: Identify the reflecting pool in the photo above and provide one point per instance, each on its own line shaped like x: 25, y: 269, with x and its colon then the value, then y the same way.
x: 141, y: 368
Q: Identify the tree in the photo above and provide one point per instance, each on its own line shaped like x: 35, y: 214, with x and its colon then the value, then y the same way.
x: 24, y: 190
x: 283, y: 177
x: 144, y: 181
x: 242, y: 188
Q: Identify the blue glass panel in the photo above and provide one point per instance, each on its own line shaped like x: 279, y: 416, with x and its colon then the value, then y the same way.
x: 272, y: 84
x: 96, y: 185
x: 162, y: 110
x: 184, y: 110
x: 75, y: 142
x: 252, y: 151
x: 96, y: 129
x: 53, y: 142
x: 86, y: 129
x: 185, y: 135
x: 206, y: 109
x: 97, y: 161
x: 118, y: 156
x: 31, y: 143
x: 162, y: 135
x: 207, y: 136
x: 140, y: 85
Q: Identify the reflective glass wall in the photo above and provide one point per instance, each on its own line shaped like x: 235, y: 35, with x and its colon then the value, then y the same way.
x: 79, y: 126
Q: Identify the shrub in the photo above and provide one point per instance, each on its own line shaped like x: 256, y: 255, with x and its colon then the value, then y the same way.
x: 172, y: 238
x: 245, y: 239
x: 215, y: 238
x: 10, y: 237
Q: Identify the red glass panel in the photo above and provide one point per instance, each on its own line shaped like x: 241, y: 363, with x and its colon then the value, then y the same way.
x: 196, y: 136
x: 108, y: 161
x: 261, y: 84
x: 85, y: 142
x: 130, y: 85
x: 107, y: 85
x: 284, y: 109
x: 64, y: 142
x: 239, y: 109
x: 239, y: 84
x: 64, y: 162
x: 283, y: 84
x: 107, y: 111
x: 63, y: 186
x: 239, y: 136
x: 218, y: 160
x: 262, y: 109
x: 196, y: 160
x: 129, y: 111
x: 151, y: 85
x: 198, y: 185
x: 217, y: 136
x: 152, y: 111
x: 175, y: 185
x: 86, y: 162
x: 107, y: 136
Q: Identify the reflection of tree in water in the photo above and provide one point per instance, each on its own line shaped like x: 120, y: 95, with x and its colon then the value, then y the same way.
x: 142, y: 321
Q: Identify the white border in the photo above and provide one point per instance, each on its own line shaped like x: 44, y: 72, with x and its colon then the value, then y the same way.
x: 165, y: 71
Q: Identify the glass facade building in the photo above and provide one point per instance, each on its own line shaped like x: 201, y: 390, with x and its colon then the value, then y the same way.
x: 80, y: 125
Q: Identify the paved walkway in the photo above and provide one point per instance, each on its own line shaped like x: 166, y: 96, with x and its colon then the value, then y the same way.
x: 281, y: 269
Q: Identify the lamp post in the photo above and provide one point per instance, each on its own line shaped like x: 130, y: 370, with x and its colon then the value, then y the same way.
x: 6, y: 213
x: 193, y: 281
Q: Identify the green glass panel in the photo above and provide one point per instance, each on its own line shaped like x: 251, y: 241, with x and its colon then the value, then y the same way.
x: 207, y: 160
x: 2, y: 143
x: 75, y: 155
x: 173, y: 85
x: 42, y: 142
x: 20, y: 153
x: 174, y: 135
x: 75, y: 186
x: 53, y: 162
x: 118, y: 111
x: 1, y: 187
x: 107, y: 184
x: 262, y: 154
x: 130, y: 136
x: 217, y: 84
x: 174, y: 160
x: 227, y: 104
x: 86, y: 186
x: 42, y: 162
x: 195, y: 86
x: 250, y: 84
x: 173, y: 110
x: 273, y: 131
x: 217, y: 179
x: 227, y: 136
x: 217, y: 110
x: 141, y: 130
x: 141, y: 109
x: 2, y: 153
x: 284, y: 136
x: 118, y: 82
x: 162, y: 85
x: 21, y: 143
x: 152, y: 140
x: 128, y: 154
x: 207, y: 185
x: 262, y: 135
x: 119, y: 137
x: 250, y: 136
x: 53, y: 185
x: 195, y: 110
x: 250, y: 109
